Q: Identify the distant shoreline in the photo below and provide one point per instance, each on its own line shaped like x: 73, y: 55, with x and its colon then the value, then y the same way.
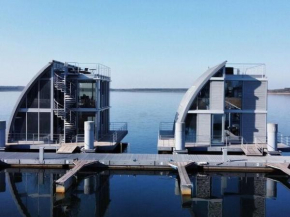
x: 285, y: 91
x: 11, y: 88
x: 149, y: 89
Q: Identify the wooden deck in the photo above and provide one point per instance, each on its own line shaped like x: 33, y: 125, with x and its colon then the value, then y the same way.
x: 284, y: 167
x: 185, y: 183
x: 168, y: 145
x: 252, y: 150
x: 63, y: 183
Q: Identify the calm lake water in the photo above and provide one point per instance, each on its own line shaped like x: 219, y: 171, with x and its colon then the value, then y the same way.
x: 27, y: 192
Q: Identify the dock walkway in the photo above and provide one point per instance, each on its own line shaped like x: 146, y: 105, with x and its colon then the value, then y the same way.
x: 127, y: 160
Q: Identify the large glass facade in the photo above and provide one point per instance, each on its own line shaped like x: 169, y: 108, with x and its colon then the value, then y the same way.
x: 44, y: 123
x: 44, y: 94
x: 32, y: 97
x: 233, y: 94
x: 201, y: 102
x: 190, y: 128
x: 38, y: 96
x: 19, y: 128
x: 32, y: 126
x: 87, y: 94
x: 217, y: 128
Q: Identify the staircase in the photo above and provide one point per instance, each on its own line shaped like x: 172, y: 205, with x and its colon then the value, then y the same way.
x: 64, y: 112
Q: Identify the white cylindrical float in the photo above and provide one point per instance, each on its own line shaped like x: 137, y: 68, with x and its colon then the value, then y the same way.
x: 89, y: 135
x: 2, y: 134
x: 272, y: 130
x: 179, y: 136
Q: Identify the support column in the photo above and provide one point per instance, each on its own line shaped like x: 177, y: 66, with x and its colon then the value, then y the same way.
x: 2, y: 134
x: 272, y: 130
x: 180, y: 136
x: 89, y: 135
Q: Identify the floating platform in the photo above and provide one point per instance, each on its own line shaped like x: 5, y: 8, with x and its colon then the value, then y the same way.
x: 76, y: 161
x: 145, y: 161
x: 167, y: 145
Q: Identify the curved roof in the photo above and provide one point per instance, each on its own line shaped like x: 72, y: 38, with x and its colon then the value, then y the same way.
x: 25, y: 91
x: 192, y: 92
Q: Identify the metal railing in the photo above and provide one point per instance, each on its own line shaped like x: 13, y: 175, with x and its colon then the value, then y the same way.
x: 118, y: 129
x: 253, y: 69
x: 229, y: 105
x: 166, y: 130
x: 260, y: 142
x: 283, y: 139
x: 95, y: 70
x: 34, y: 138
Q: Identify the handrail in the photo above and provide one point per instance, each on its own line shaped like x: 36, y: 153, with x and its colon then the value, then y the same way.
x: 232, y: 105
x: 258, y: 144
x: 283, y: 139
x: 34, y: 138
x: 258, y: 69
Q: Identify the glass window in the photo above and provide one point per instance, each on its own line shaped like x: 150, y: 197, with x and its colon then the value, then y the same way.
x: 32, y: 125
x: 32, y: 97
x: 190, y: 128
x: 47, y: 73
x: 87, y: 92
x: 23, y: 103
x: 44, y: 94
x: 19, y: 129
x: 233, y: 94
x: 217, y: 128
x: 84, y: 116
x: 201, y: 102
x: 44, y: 123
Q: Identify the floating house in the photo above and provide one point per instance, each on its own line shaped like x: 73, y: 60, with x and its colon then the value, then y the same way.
x: 55, y: 104
x: 226, y: 105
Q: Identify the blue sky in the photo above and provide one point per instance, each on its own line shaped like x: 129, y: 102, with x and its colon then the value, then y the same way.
x: 149, y: 43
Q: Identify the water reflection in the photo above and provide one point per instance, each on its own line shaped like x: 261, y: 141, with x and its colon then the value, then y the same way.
x: 230, y: 194
x: 95, y: 194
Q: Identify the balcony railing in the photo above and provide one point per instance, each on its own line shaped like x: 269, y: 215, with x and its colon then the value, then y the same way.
x: 253, y: 69
x: 166, y: 130
x: 94, y: 70
x: 34, y: 138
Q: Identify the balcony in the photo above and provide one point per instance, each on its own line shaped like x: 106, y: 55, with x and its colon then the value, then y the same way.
x: 257, y: 70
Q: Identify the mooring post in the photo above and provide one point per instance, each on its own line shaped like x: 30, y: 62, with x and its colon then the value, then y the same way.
x: 2, y: 135
x: 225, y: 154
x: 41, y: 154
x: 89, y: 135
